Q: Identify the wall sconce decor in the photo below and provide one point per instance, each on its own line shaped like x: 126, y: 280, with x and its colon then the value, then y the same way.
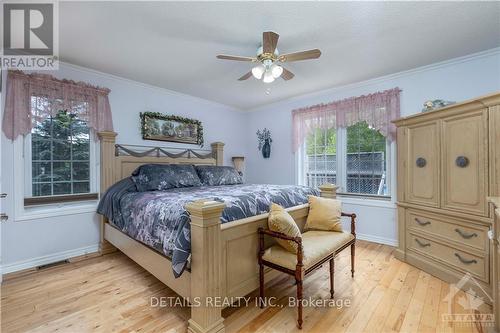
x: 265, y: 140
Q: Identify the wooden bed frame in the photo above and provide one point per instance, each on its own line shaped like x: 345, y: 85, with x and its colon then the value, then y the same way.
x: 223, y: 256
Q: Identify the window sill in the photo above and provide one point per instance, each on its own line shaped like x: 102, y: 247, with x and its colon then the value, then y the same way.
x: 60, y: 199
x: 383, y: 202
x: 56, y: 210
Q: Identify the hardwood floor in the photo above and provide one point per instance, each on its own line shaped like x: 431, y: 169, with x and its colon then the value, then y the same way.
x: 112, y: 293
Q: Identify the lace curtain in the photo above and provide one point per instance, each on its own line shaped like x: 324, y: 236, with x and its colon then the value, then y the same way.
x: 32, y: 98
x: 378, y: 110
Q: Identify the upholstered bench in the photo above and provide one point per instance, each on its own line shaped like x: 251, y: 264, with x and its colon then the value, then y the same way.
x: 314, y: 248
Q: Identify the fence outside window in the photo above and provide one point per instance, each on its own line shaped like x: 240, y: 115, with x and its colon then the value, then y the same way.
x: 366, y: 172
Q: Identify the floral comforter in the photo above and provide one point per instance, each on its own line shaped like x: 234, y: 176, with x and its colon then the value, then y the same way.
x: 159, y: 220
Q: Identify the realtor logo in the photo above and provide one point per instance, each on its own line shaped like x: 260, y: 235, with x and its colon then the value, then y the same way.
x: 29, y: 35
x: 470, y: 304
x: 28, y: 29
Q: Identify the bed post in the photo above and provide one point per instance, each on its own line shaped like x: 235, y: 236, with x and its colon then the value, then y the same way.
x: 218, y: 152
x: 206, y: 262
x: 107, y: 147
x: 328, y: 191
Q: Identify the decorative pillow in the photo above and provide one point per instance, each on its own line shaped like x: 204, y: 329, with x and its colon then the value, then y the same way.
x: 324, y: 214
x: 212, y: 175
x: 160, y: 177
x: 280, y: 221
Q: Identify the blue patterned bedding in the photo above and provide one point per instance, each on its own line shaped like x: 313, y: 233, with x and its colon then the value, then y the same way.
x: 159, y: 220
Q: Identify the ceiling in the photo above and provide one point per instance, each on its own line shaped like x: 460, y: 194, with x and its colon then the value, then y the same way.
x: 173, y: 44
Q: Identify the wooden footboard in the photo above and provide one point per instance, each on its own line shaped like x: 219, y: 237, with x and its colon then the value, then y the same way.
x: 223, y: 256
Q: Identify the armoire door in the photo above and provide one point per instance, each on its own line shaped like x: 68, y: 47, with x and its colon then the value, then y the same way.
x: 465, y: 162
x: 423, y: 164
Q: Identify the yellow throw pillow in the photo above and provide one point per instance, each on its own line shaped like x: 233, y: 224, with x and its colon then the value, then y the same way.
x: 324, y: 214
x: 280, y: 221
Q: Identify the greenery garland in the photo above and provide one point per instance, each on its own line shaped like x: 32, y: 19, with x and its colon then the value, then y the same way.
x: 158, y: 115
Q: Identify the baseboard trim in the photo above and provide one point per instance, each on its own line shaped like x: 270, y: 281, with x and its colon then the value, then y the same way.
x: 377, y: 239
x: 48, y: 259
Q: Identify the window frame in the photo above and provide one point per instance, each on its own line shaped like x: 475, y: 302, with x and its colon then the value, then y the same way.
x: 341, y: 172
x: 29, y: 200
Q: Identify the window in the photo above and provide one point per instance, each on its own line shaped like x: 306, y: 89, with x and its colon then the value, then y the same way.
x: 366, y: 160
x: 321, y: 162
x: 60, y: 154
x: 355, y: 158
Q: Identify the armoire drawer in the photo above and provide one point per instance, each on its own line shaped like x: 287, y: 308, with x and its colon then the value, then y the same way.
x: 458, y: 259
x: 450, y: 229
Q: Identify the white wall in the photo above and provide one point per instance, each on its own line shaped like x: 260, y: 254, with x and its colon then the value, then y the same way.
x: 455, y: 80
x: 34, y: 238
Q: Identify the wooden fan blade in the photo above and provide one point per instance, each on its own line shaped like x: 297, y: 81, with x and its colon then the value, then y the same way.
x: 246, y: 76
x: 303, y: 55
x: 269, y: 41
x: 236, y: 58
x: 287, y: 75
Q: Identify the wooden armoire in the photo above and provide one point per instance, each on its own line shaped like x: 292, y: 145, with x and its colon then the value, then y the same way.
x: 448, y: 164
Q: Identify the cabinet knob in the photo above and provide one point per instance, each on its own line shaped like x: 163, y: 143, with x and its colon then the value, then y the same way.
x: 3, y: 217
x: 462, y: 161
x: 421, y: 162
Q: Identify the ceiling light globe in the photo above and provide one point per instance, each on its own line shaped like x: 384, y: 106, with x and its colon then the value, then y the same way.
x: 257, y: 72
x: 268, y: 77
x: 276, y: 71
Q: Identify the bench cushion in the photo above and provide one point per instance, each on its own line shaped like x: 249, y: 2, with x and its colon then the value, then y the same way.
x: 280, y: 221
x: 316, y: 244
x: 324, y: 214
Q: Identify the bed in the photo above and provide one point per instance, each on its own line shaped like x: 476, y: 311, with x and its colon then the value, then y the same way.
x: 223, y: 243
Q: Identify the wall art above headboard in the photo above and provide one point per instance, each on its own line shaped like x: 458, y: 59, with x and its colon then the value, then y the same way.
x: 162, y: 127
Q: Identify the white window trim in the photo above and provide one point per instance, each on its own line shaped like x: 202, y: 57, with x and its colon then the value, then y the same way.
x: 22, y: 213
x: 341, y: 157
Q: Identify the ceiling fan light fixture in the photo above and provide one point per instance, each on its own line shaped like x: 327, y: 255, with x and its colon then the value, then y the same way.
x: 258, y: 71
x: 268, y: 77
x: 268, y: 60
x: 276, y: 71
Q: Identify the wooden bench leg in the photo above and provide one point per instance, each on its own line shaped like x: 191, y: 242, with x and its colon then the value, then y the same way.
x: 353, y: 253
x: 299, y: 300
x: 332, y: 272
x: 261, y: 286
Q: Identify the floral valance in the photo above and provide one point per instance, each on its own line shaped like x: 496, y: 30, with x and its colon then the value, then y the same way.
x: 31, y: 98
x: 378, y: 110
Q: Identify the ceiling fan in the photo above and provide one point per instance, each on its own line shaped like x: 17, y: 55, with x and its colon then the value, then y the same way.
x: 269, y: 59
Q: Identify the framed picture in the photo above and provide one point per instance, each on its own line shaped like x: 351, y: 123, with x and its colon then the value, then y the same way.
x: 162, y: 127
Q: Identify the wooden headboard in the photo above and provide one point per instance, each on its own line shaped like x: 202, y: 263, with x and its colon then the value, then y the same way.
x: 119, y: 161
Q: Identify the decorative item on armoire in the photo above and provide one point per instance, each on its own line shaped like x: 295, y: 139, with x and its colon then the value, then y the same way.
x: 265, y: 141
x: 435, y: 104
x: 162, y: 127
x: 239, y: 164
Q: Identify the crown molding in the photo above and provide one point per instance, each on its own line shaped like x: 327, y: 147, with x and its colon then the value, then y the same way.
x: 385, y: 78
x: 95, y: 72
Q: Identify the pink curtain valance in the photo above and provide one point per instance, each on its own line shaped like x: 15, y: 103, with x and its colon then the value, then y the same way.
x: 378, y: 110
x: 31, y: 98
